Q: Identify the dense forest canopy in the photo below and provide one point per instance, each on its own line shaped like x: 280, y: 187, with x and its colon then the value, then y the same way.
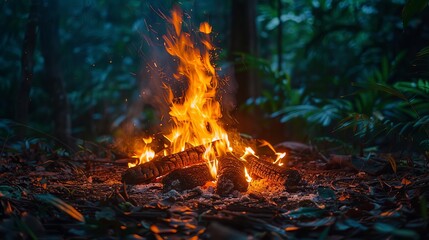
x: 353, y: 73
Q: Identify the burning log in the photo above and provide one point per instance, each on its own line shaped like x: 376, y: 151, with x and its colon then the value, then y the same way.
x: 148, y: 171
x: 187, y: 178
x: 231, y: 175
x: 272, y: 172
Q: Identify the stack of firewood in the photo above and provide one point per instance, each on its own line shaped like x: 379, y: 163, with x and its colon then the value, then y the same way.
x: 188, y: 169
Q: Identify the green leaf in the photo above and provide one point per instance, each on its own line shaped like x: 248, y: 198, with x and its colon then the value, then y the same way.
x: 10, y: 192
x: 350, y: 223
x: 390, y: 90
x: 327, y: 221
x: 105, y: 213
x: 412, y: 8
x: 326, y: 193
x: 304, y: 212
x: 423, y: 52
x: 60, y: 204
x: 389, y: 229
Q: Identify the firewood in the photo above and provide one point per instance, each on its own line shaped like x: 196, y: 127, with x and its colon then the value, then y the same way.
x: 231, y: 175
x: 148, y: 171
x: 187, y: 178
x: 265, y: 169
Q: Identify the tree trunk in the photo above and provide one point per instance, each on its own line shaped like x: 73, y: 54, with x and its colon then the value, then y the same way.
x: 243, y: 40
x: 27, y: 64
x: 279, y: 37
x: 53, y: 82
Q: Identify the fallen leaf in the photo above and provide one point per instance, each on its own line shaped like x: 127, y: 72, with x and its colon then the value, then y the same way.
x: 326, y: 193
x: 343, y: 197
x: 405, y: 182
x: 389, y: 229
x: 105, y: 213
x: 318, y: 223
x: 291, y: 228
x: 348, y: 224
x: 10, y: 192
x: 392, y: 213
x: 304, y: 212
x: 157, y: 230
x: 392, y: 162
x: 60, y: 204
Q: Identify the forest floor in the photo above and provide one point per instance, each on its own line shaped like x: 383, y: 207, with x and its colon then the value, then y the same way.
x: 49, y: 196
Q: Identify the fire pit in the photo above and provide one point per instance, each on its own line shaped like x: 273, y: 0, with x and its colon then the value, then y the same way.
x: 199, y: 148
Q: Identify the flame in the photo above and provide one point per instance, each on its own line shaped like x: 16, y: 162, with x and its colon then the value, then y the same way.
x: 248, y: 151
x: 146, y: 155
x: 248, y: 177
x: 205, y: 28
x: 196, y: 114
x: 280, y: 156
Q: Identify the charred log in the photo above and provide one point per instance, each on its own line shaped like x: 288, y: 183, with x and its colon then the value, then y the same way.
x: 264, y: 169
x: 187, y: 178
x: 231, y: 175
x: 148, y: 171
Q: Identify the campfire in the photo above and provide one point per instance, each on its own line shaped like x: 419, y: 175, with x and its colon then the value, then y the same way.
x: 199, y: 148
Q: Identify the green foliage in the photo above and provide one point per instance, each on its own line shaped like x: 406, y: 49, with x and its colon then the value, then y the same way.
x: 101, y: 56
x: 411, y: 8
x: 343, y: 81
x: 373, y: 112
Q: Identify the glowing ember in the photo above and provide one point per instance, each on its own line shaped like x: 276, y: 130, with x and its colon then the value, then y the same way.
x: 248, y: 177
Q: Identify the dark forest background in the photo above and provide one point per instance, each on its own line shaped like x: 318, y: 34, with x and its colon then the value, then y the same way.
x: 348, y: 74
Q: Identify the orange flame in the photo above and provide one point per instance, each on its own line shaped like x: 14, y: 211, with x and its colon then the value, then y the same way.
x: 205, y: 28
x: 248, y: 177
x: 196, y: 115
x: 280, y: 156
x: 248, y: 151
x: 146, y: 155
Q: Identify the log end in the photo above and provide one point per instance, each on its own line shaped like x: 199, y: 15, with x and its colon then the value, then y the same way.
x: 231, y: 175
x: 187, y: 178
x: 140, y: 174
